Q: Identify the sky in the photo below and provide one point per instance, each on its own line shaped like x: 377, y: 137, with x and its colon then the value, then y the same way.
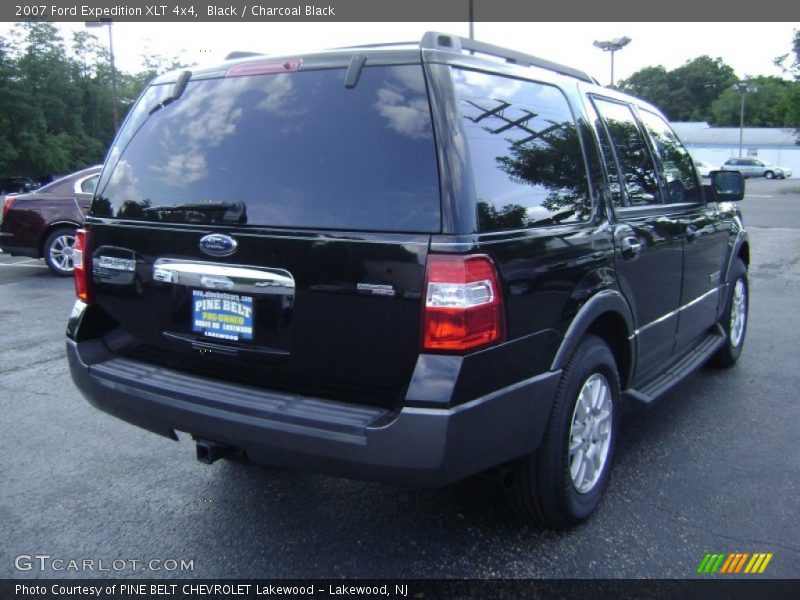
x: 747, y: 47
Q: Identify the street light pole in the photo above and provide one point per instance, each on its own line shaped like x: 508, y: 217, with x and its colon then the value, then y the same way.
x: 471, y: 20
x: 612, y: 46
x: 743, y: 88
x: 113, y: 77
x: 115, y: 99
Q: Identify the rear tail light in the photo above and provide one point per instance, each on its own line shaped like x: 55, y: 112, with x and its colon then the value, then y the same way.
x: 82, y: 260
x: 463, y: 304
x: 9, y: 202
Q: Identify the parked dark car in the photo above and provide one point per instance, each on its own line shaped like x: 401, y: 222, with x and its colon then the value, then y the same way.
x: 16, y: 185
x: 404, y: 263
x: 42, y: 224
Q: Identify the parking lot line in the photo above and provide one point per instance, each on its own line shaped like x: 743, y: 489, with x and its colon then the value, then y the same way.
x: 19, y: 264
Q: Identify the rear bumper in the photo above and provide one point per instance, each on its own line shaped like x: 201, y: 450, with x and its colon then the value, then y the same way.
x: 421, y: 446
x: 7, y: 245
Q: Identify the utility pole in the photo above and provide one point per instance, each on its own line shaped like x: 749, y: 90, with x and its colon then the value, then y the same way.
x: 471, y: 20
x: 743, y: 88
x: 115, y: 107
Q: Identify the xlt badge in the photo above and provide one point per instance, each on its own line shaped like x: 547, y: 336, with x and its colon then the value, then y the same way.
x: 376, y: 289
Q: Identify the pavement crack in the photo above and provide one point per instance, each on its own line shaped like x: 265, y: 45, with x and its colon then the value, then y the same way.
x: 44, y: 361
x: 695, y: 525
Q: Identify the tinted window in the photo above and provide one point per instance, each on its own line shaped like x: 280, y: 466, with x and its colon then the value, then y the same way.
x: 527, y: 159
x: 679, y: 173
x: 614, y: 180
x: 288, y: 150
x: 630, y: 149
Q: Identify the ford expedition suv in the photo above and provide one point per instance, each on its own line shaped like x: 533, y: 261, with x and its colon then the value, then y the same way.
x: 409, y: 263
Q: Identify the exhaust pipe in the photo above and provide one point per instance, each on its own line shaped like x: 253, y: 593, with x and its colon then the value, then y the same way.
x: 209, y: 452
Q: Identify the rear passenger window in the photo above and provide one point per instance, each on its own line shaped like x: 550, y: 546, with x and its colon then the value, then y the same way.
x: 88, y: 185
x: 526, y: 157
x: 635, y: 163
x: 614, y: 182
x: 679, y: 172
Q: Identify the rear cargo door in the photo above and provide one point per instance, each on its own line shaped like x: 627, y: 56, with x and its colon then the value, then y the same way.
x: 272, y: 229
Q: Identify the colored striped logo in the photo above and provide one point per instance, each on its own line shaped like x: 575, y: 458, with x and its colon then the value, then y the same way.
x: 736, y: 562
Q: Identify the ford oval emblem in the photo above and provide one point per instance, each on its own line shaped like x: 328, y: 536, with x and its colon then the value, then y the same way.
x: 217, y: 244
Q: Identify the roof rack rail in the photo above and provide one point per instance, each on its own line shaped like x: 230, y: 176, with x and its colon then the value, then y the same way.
x: 379, y: 45
x: 242, y: 54
x: 444, y: 41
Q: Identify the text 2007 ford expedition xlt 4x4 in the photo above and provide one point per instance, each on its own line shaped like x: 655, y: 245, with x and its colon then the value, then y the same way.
x: 404, y: 263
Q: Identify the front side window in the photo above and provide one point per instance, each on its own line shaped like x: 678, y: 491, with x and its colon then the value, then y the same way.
x: 635, y: 163
x: 679, y: 173
x: 526, y: 156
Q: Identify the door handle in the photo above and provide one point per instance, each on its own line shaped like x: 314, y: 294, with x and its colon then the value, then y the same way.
x: 630, y: 247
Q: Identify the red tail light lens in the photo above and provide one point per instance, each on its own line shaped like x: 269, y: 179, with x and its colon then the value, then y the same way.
x: 463, y: 303
x: 265, y: 67
x: 82, y: 259
x: 9, y: 202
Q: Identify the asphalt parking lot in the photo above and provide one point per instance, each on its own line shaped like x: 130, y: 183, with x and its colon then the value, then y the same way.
x: 712, y: 468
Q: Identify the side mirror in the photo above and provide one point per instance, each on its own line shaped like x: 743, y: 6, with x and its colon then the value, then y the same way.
x: 726, y: 186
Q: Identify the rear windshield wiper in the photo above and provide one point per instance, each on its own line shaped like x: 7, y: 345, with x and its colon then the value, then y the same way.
x: 217, y: 212
x: 177, y: 91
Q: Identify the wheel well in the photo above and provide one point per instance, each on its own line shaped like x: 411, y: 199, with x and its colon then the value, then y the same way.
x: 744, y: 253
x: 613, y: 330
x: 50, y: 229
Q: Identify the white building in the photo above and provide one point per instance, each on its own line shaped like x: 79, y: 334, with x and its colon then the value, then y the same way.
x: 715, y: 145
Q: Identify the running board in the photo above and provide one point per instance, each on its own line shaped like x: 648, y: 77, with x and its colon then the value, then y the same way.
x: 646, y: 395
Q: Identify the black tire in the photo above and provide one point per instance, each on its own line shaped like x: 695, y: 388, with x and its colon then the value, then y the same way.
x: 769, y: 175
x: 540, y: 486
x: 52, y: 252
x: 730, y: 352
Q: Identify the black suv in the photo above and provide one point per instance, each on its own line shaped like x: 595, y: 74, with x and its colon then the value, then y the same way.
x: 409, y: 263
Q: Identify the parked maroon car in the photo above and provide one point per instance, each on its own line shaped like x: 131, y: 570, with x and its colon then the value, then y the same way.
x: 42, y: 224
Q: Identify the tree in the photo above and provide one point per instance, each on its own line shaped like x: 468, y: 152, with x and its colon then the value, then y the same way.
x: 790, y: 62
x: 773, y: 105
x: 56, y: 103
x: 685, y: 93
x: 650, y: 83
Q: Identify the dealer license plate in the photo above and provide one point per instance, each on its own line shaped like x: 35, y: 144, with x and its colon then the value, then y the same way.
x: 222, y: 315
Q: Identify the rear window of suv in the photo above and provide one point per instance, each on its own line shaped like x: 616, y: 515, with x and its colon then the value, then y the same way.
x: 285, y: 150
x: 527, y: 160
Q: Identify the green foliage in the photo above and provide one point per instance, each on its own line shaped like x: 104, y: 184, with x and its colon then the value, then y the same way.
x: 685, y: 93
x: 702, y: 90
x: 790, y: 62
x: 774, y: 104
x: 56, y: 103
